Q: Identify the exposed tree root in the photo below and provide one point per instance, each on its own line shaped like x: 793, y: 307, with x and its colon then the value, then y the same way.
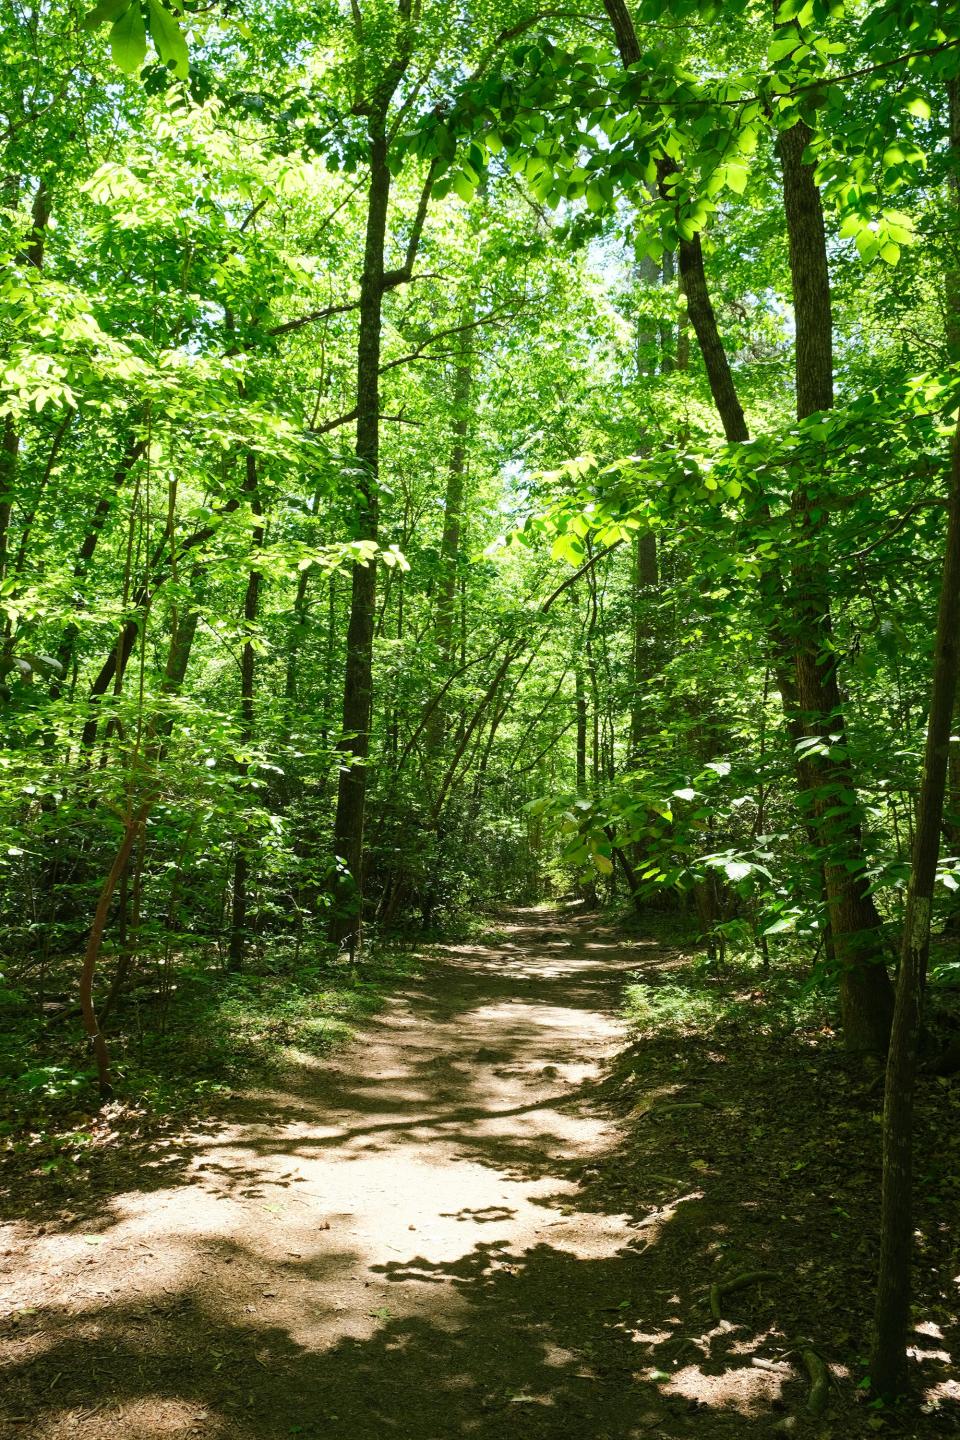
x: 666, y: 1109
x: 740, y: 1282
x: 814, y: 1364
x: 645, y: 1112
x: 816, y: 1368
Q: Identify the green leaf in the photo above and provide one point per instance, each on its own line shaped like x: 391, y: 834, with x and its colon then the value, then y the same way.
x: 595, y: 199
x: 128, y: 40
x: 779, y: 49
x: 168, y: 38
x: 462, y: 185
x: 106, y: 10
x: 737, y: 869
x: 868, y: 244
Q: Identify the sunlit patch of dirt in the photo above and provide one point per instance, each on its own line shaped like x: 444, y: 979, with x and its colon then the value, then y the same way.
x: 748, y: 1390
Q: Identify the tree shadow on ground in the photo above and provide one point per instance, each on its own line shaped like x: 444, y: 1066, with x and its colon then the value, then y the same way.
x: 543, y: 1344
x: 480, y: 1022
x: 771, y: 1165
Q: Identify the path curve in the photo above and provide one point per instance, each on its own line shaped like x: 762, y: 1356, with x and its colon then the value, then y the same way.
x: 391, y: 1246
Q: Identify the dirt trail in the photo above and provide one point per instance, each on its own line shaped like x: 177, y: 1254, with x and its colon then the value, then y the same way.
x: 445, y: 1233
x: 392, y: 1245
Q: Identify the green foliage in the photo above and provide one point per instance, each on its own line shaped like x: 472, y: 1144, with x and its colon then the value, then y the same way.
x: 179, y: 286
x: 691, y: 1002
x: 129, y: 22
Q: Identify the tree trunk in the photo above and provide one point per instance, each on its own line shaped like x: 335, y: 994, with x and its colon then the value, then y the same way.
x: 444, y: 634
x: 888, y: 1360
x: 132, y: 452
x: 32, y: 254
x: 645, y: 580
x: 580, y: 701
x: 358, y: 676
x: 251, y: 610
x: 866, y: 993
x: 298, y: 632
x: 702, y: 317
x: 133, y: 825
x: 888, y: 1364
x: 158, y: 571
x: 829, y: 792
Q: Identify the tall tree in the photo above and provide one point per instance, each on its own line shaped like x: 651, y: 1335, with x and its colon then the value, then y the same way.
x: 888, y: 1359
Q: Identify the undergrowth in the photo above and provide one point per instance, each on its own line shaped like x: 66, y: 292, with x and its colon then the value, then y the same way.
x: 177, y: 1049
x: 692, y: 1000
x: 787, y: 993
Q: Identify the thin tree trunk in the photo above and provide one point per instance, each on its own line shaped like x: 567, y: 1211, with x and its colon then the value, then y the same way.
x: 888, y: 1361
x: 888, y: 1364
x: 580, y: 702
x: 358, y: 676
x: 32, y: 255
x: 251, y: 611
x: 158, y: 571
x: 131, y: 832
x: 132, y: 452
x: 27, y: 530
x: 646, y: 577
x: 298, y: 632
x: 444, y: 634
x: 669, y: 335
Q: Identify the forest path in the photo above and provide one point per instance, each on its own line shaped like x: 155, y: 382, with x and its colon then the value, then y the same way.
x: 396, y: 1243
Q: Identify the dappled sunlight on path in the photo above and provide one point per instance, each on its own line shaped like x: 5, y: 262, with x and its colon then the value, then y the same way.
x: 393, y: 1243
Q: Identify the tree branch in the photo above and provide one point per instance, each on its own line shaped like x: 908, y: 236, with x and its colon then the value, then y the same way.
x: 289, y: 325
x: 392, y: 278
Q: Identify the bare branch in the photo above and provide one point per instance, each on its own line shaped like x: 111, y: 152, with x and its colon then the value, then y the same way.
x: 290, y: 325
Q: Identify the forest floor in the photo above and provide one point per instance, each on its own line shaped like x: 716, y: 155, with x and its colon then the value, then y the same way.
x: 495, y: 1213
